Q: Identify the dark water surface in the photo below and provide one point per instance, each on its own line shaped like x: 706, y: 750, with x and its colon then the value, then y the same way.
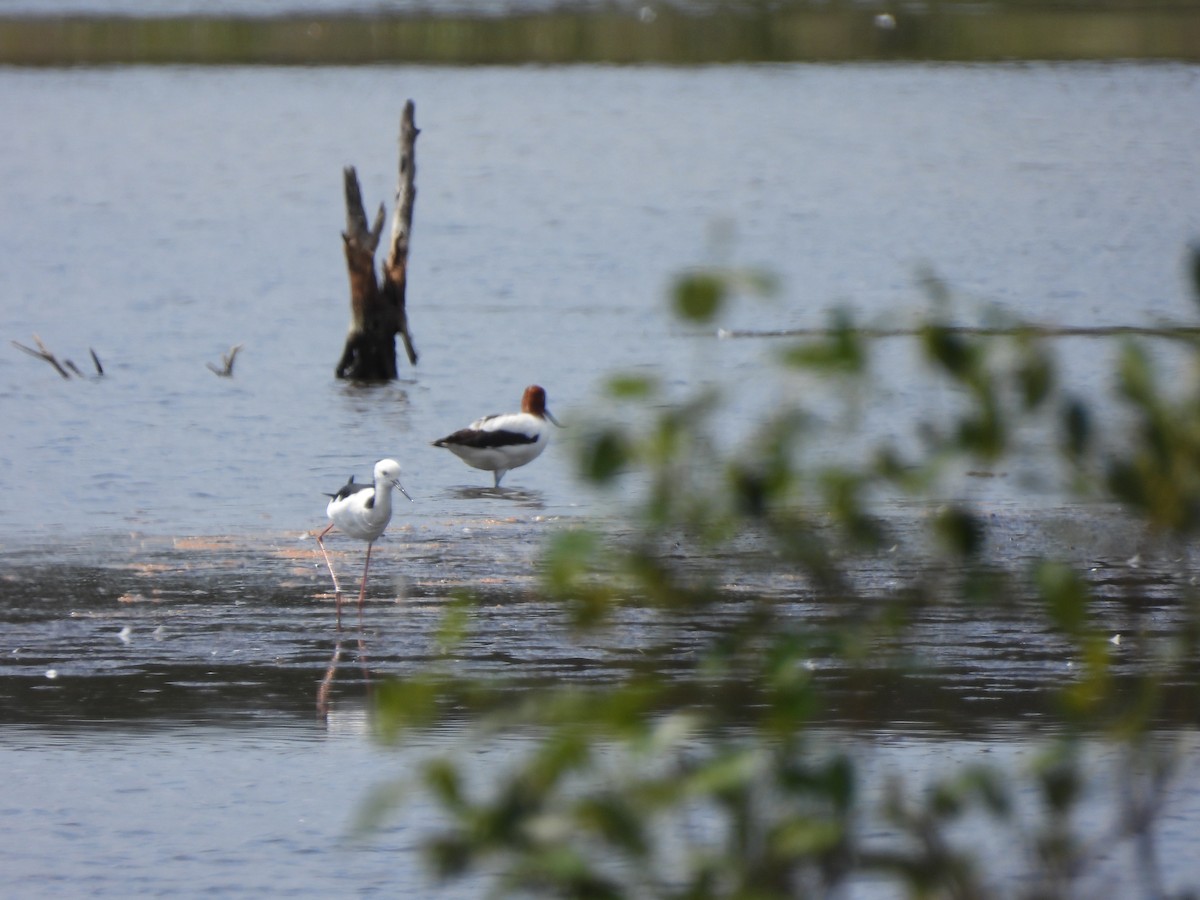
x: 165, y: 618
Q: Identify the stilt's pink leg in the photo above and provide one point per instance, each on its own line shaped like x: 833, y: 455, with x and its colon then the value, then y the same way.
x: 362, y: 591
x: 337, y: 590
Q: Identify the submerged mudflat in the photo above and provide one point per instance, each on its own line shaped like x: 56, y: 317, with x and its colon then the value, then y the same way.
x: 202, y: 629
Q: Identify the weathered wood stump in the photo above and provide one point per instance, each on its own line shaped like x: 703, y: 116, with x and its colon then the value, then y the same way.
x: 377, y: 305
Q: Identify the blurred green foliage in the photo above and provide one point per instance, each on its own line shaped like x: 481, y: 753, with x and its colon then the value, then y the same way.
x: 715, y: 782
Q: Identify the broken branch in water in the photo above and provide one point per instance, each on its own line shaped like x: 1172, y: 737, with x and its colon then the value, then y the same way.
x: 62, y: 368
x: 226, y: 371
x: 378, y: 310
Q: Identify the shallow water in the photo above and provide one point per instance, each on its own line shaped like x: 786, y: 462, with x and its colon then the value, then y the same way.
x: 163, y: 215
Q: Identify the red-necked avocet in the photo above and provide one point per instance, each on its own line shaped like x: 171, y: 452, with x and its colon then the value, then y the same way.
x: 361, y: 511
x: 499, y: 443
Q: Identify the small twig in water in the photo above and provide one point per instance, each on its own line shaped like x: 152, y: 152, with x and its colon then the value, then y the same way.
x: 227, y: 359
x: 43, y: 353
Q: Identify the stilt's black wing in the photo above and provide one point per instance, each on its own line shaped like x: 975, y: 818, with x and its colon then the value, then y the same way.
x: 349, y: 488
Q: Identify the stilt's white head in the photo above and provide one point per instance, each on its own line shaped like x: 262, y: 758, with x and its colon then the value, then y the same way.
x: 387, y: 471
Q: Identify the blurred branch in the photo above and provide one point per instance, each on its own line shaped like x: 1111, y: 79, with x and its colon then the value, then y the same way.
x: 226, y: 368
x: 43, y: 353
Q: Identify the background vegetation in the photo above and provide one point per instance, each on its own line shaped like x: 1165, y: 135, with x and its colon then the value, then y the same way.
x: 685, y: 33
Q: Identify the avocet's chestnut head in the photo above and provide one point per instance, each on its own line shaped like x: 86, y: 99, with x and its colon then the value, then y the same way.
x: 388, y: 472
x: 534, y: 403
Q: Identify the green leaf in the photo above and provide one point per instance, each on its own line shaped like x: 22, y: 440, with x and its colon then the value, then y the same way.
x: 1059, y: 775
x: 611, y: 815
x: 1077, y: 428
x: 1065, y: 594
x: 727, y: 774
x: 950, y: 350
x: 960, y: 530
x: 455, y: 623
x: 631, y: 387
x: 1035, y: 377
x: 699, y: 296
x: 570, y: 556
x: 841, y: 350
x: 604, y: 455
x: 443, y: 780
x: 806, y: 837
x: 1136, y: 377
x: 404, y: 704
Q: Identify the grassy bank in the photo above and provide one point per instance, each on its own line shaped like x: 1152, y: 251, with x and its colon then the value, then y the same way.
x: 664, y: 37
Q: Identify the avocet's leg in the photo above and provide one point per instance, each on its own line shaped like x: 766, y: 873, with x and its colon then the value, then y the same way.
x: 337, y: 590
x: 498, y: 474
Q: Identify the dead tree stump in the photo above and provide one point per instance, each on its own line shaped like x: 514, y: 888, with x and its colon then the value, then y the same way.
x: 377, y: 305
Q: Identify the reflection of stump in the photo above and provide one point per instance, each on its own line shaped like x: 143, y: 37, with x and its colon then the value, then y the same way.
x: 377, y: 310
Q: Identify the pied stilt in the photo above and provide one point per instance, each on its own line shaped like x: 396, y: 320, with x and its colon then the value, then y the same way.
x: 361, y: 511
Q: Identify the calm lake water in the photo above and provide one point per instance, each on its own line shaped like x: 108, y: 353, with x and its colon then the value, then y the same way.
x: 161, y: 215
x: 167, y: 214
